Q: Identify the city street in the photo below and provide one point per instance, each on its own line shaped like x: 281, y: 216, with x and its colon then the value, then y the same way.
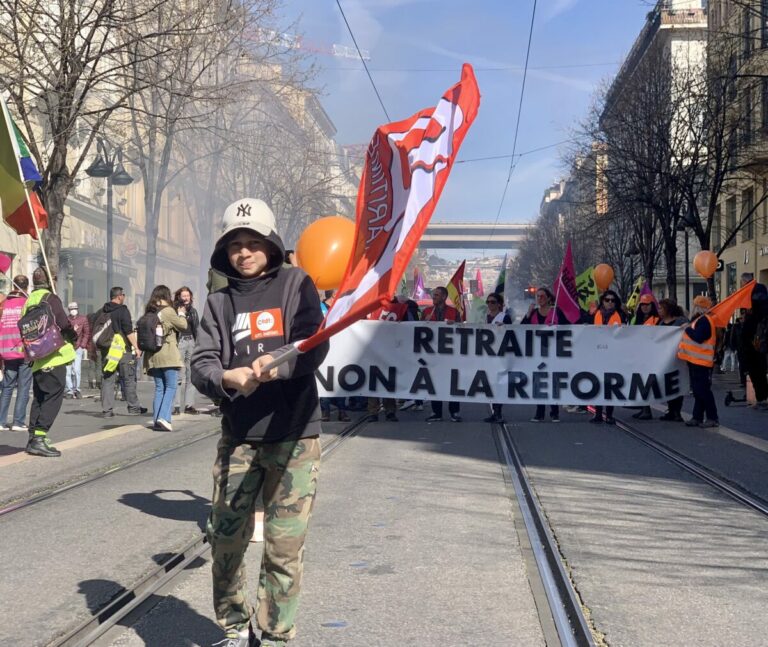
x: 414, y: 532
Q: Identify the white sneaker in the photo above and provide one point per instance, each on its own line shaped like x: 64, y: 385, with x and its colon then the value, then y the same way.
x: 407, y: 405
x: 418, y: 407
x: 165, y: 424
x: 19, y: 428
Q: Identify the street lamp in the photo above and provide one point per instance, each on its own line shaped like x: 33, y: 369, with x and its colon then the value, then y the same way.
x: 111, y: 167
x: 685, y: 223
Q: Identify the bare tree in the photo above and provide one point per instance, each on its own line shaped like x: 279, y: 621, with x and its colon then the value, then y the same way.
x: 65, y: 68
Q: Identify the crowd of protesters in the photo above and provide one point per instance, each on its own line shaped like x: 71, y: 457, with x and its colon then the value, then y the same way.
x: 271, y: 414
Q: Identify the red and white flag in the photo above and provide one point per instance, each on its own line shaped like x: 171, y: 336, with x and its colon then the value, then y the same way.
x: 566, y: 295
x: 406, y: 167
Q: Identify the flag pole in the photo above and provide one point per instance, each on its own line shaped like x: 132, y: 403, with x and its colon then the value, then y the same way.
x: 42, y: 246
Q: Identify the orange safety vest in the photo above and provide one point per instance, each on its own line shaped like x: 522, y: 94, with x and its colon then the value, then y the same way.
x: 651, y: 321
x: 613, y: 320
x: 702, y: 354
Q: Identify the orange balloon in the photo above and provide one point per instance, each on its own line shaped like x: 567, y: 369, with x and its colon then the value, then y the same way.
x: 324, y: 248
x: 705, y: 263
x: 603, y: 276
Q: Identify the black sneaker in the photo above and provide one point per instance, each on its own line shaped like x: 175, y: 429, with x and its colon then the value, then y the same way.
x: 596, y: 420
x: 610, y: 420
x: 41, y: 446
x: 455, y: 417
x: 692, y: 422
x: 108, y: 414
x: 372, y: 417
x: 434, y: 418
x: 176, y: 411
x: 494, y: 419
x: 137, y: 412
x: 390, y: 417
x: 191, y: 411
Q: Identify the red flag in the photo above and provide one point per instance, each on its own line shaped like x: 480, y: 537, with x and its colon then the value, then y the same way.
x: 455, y: 290
x: 723, y: 311
x: 479, y: 292
x: 21, y: 220
x: 566, y: 294
x: 406, y: 167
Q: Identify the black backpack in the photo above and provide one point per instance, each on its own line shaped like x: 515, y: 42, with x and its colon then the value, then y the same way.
x: 102, y: 331
x: 146, y: 333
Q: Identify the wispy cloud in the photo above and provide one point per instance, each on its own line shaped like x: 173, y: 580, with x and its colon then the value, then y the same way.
x: 582, y: 85
x: 554, y: 8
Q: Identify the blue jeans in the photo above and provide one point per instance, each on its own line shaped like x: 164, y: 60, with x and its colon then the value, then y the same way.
x: 73, y: 372
x: 166, y: 381
x: 17, y: 373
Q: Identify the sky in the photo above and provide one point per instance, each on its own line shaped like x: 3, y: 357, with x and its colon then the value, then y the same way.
x: 417, y: 48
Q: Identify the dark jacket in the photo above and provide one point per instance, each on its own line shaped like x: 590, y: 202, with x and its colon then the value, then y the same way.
x: 535, y: 318
x: 121, y: 320
x: 193, y: 321
x: 254, y: 317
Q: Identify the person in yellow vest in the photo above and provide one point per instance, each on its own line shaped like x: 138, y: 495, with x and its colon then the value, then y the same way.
x: 49, y: 374
x: 608, y: 313
x: 697, y: 347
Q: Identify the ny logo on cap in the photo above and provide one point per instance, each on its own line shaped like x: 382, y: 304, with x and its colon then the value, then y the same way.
x: 243, y: 210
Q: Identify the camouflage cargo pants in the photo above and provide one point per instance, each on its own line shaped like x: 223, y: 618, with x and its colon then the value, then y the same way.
x: 284, y: 477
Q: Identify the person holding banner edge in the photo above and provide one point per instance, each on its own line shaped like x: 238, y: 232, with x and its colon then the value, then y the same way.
x: 272, y: 414
x: 671, y: 314
x: 646, y: 315
x: 697, y: 348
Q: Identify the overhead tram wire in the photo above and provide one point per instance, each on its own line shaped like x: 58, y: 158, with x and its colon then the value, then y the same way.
x: 362, y: 60
x: 517, y: 123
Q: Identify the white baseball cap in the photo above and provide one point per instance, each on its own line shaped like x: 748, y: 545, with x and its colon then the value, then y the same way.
x: 248, y: 213
x: 72, y: 306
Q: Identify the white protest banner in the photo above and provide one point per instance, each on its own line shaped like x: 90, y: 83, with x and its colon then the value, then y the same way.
x: 609, y: 365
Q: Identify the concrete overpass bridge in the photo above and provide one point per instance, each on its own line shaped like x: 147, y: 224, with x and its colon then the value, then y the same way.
x: 474, y: 235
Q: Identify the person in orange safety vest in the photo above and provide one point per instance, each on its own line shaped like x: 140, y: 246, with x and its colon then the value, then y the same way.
x: 608, y: 313
x: 697, y: 348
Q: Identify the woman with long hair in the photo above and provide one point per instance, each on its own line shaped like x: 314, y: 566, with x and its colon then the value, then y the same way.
x: 163, y: 363
x: 183, y: 303
x: 543, y: 313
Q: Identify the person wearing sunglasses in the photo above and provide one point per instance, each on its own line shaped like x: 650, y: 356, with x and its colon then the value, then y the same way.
x: 496, y: 316
x: 545, y: 313
x: 608, y: 313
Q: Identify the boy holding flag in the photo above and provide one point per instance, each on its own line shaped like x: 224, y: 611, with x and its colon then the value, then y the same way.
x: 273, y: 415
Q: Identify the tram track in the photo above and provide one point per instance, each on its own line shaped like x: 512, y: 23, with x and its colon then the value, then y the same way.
x: 717, y: 481
x: 567, y: 614
x: 130, y: 604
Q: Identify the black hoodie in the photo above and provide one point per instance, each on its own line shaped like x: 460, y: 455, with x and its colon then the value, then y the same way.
x: 254, y: 317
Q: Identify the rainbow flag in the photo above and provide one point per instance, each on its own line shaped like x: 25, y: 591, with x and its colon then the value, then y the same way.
x: 19, y: 205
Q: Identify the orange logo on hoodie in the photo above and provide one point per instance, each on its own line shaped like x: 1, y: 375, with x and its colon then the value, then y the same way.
x: 266, y: 323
